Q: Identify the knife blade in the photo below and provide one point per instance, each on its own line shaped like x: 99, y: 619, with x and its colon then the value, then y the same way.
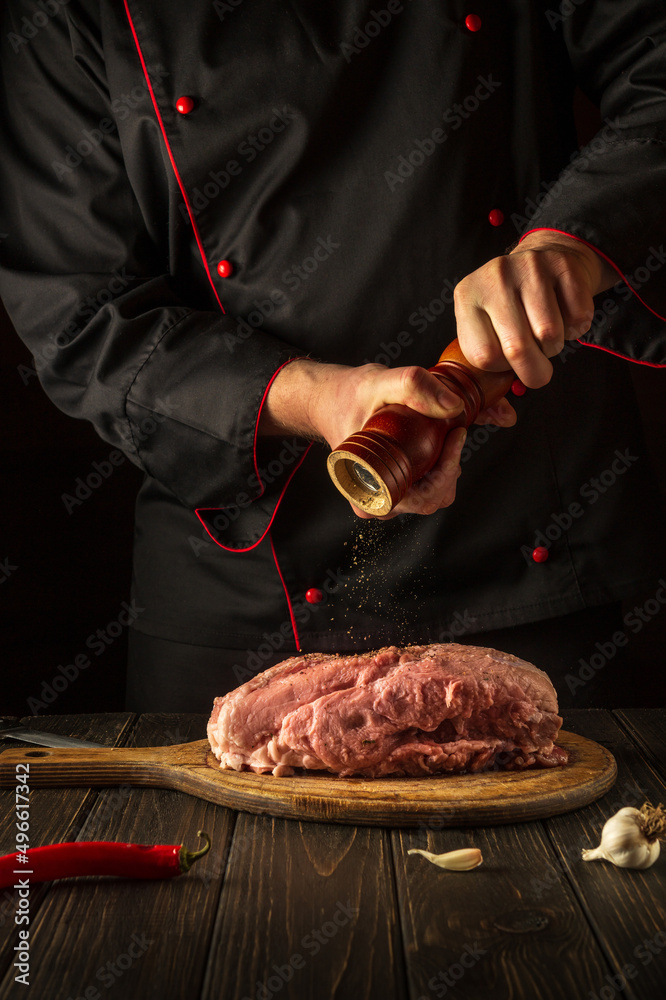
x: 43, y: 739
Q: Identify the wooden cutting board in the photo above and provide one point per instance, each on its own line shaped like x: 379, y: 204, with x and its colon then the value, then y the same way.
x: 446, y: 800
x: 488, y: 797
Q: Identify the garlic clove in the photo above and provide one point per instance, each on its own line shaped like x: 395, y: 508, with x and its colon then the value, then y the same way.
x: 462, y: 860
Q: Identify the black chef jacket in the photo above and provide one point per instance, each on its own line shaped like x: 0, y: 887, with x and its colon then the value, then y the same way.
x: 194, y: 196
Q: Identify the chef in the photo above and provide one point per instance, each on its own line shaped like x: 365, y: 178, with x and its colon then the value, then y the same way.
x: 235, y: 231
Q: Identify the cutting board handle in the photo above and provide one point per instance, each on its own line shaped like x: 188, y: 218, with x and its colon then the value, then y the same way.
x: 98, y: 767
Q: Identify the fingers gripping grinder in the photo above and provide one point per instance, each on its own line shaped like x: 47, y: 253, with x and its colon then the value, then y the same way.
x: 377, y: 465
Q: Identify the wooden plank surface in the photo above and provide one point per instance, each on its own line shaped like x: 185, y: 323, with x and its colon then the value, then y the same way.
x: 647, y: 728
x: 532, y: 921
x: 55, y: 815
x: 489, y: 796
x: 307, y: 910
x: 521, y: 926
x: 87, y: 930
x: 626, y: 909
x: 481, y: 933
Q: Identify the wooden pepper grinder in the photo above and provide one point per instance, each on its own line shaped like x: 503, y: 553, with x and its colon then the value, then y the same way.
x: 377, y: 465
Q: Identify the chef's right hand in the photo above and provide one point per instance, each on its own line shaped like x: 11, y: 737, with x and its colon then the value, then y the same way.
x: 330, y: 402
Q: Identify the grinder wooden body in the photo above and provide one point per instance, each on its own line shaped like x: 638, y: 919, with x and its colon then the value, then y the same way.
x: 376, y: 466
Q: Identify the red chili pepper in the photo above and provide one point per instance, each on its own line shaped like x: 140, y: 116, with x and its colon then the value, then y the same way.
x: 100, y: 857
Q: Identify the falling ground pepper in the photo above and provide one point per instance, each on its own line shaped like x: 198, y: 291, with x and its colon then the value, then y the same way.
x: 375, y: 545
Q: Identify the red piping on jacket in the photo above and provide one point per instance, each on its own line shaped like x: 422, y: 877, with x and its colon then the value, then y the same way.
x: 635, y: 361
x: 171, y: 156
x: 650, y: 364
x: 217, y: 298
x: 200, y: 510
x: 286, y: 594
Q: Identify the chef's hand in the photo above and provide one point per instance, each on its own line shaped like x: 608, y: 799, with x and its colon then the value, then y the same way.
x: 517, y: 310
x: 329, y: 402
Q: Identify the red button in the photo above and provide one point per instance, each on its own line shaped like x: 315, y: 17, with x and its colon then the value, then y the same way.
x: 314, y: 595
x: 224, y: 268
x: 473, y: 22
x: 184, y: 105
x: 540, y: 554
x: 496, y: 217
x: 517, y: 387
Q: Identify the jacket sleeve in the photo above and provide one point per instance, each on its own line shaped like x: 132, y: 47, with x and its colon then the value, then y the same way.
x: 613, y: 193
x: 86, y: 278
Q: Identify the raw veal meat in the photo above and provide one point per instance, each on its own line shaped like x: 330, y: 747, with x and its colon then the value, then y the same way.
x: 413, y: 711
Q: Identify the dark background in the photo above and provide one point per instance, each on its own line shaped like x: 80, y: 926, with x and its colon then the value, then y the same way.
x: 73, y: 570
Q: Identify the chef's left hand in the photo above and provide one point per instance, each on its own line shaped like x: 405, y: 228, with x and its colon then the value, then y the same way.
x: 516, y: 311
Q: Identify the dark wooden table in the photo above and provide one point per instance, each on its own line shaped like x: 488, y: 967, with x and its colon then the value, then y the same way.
x: 294, y: 910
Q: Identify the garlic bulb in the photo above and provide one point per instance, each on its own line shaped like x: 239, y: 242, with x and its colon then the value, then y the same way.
x: 630, y: 838
x: 462, y: 860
